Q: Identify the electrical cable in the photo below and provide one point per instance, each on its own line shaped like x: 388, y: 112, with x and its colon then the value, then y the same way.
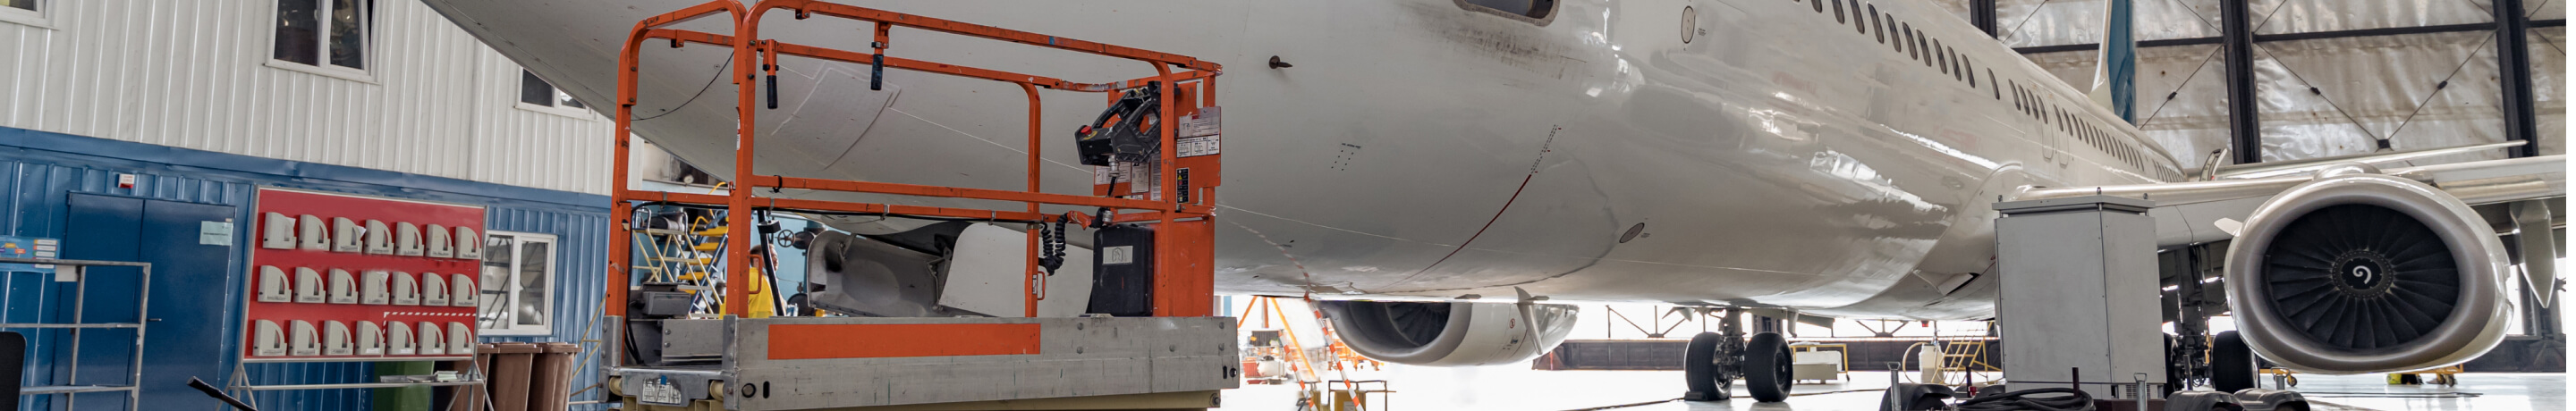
x: 2075, y: 399
x: 2438, y: 87
x: 2025, y: 19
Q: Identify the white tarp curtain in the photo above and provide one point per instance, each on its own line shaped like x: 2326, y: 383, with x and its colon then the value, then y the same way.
x: 2364, y: 88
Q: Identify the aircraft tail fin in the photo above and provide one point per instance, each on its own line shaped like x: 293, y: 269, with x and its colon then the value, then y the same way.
x: 2115, y: 69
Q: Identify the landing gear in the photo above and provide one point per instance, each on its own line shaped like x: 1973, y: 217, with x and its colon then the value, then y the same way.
x: 1766, y: 367
x: 1710, y: 366
x: 1715, y: 359
x: 2231, y: 364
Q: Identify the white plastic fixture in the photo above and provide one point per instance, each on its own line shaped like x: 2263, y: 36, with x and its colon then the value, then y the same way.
x: 468, y: 245
x: 308, y: 286
x: 460, y: 339
x: 379, y: 238
x: 440, y: 245
x: 276, y: 231
x: 375, y: 291
x: 344, y: 288
x: 305, y: 342
x: 463, y: 286
x: 335, y: 339
x: 407, y: 239
x: 431, y: 340
x: 270, y: 341
x: 406, y: 289
x: 346, y: 236
x: 398, y: 339
x: 274, y: 287
x: 433, y: 289
x: 312, y: 233
x: 371, y: 338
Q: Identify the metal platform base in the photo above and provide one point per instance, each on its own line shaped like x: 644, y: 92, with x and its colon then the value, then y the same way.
x: 1195, y: 400
x: 847, y: 363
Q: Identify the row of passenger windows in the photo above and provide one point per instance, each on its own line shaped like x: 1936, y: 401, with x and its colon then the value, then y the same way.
x: 1920, y: 46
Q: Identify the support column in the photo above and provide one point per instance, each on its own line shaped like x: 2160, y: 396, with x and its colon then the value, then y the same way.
x: 2244, y: 122
x: 2513, y: 71
x: 1982, y: 14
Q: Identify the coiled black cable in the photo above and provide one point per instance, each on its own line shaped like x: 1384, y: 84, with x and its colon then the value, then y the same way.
x: 2028, y: 400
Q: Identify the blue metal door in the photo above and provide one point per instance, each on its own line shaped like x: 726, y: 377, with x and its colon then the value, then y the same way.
x: 190, y: 247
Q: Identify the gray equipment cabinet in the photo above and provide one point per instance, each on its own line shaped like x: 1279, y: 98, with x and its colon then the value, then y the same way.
x: 2079, y: 301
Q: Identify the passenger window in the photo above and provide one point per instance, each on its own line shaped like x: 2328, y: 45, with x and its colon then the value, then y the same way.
x: 1857, y: 23
x: 1940, y: 59
x: 1838, y: 12
x: 1956, y: 60
x: 1971, y: 70
x: 1820, y: 6
x: 1924, y: 42
x: 1879, y: 23
x: 1912, y: 52
x: 1532, y: 9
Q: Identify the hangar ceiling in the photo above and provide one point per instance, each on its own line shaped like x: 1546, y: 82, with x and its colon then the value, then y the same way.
x: 2416, y: 73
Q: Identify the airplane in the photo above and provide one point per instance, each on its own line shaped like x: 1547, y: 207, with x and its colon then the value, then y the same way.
x: 1448, y: 175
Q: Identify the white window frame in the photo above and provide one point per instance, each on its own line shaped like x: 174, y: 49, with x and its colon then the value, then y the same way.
x: 557, y: 108
x: 41, y: 17
x: 508, y: 298
x: 366, y: 45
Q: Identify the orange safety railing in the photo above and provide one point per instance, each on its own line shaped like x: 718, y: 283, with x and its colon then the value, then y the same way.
x: 1182, y: 284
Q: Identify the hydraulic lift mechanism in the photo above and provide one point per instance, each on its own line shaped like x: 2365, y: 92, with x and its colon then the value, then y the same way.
x: 1148, y: 338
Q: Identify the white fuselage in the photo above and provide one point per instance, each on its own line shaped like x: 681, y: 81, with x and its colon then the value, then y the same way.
x: 1423, y: 149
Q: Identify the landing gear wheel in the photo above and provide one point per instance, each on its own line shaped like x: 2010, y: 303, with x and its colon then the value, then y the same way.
x: 2231, y: 364
x: 1708, y: 379
x: 2177, y: 372
x: 1766, y: 367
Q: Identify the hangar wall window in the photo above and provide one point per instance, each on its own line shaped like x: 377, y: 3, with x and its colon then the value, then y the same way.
x: 518, y: 283
x: 1537, y: 10
x: 327, y: 34
x: 536, y: 94
x: 27, y: 12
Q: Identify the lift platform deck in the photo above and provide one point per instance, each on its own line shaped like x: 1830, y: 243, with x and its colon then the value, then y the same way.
x: 1178, y: 357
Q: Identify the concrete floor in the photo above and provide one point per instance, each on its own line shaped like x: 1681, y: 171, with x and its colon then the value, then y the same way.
x: 1519, y: 388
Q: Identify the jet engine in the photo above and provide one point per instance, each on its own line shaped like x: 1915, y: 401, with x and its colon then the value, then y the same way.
x: 2359, y: 272
x: 1450, y: 334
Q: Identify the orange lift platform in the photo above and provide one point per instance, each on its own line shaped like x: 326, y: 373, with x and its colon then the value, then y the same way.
x: 1178, y: 357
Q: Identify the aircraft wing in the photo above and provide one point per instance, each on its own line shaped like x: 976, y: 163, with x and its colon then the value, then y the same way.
x: 2499, y: 190
x: 2292, y: 167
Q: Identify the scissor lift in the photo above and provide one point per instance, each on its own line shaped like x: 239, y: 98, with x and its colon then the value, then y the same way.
x: 1179, y: 357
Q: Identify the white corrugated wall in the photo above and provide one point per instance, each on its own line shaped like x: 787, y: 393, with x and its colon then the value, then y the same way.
x: 193, y: 74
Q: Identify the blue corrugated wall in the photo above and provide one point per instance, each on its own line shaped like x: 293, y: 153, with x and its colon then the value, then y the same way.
x: 42, y: 170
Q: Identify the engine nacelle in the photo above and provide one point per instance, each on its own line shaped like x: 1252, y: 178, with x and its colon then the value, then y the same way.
x: 1450, y: 334
x: 2364, y: 273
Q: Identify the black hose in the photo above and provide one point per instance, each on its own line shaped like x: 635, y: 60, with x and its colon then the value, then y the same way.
x: 2026, y: 400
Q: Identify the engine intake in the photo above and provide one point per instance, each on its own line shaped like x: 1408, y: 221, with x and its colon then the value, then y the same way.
x: 1450, y: 334
x: 2362, y: 273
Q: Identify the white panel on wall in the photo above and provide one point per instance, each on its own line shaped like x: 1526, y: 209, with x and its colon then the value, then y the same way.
x: 196, y: 74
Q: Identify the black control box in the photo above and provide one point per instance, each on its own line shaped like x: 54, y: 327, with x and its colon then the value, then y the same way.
x: 1122, y: 271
